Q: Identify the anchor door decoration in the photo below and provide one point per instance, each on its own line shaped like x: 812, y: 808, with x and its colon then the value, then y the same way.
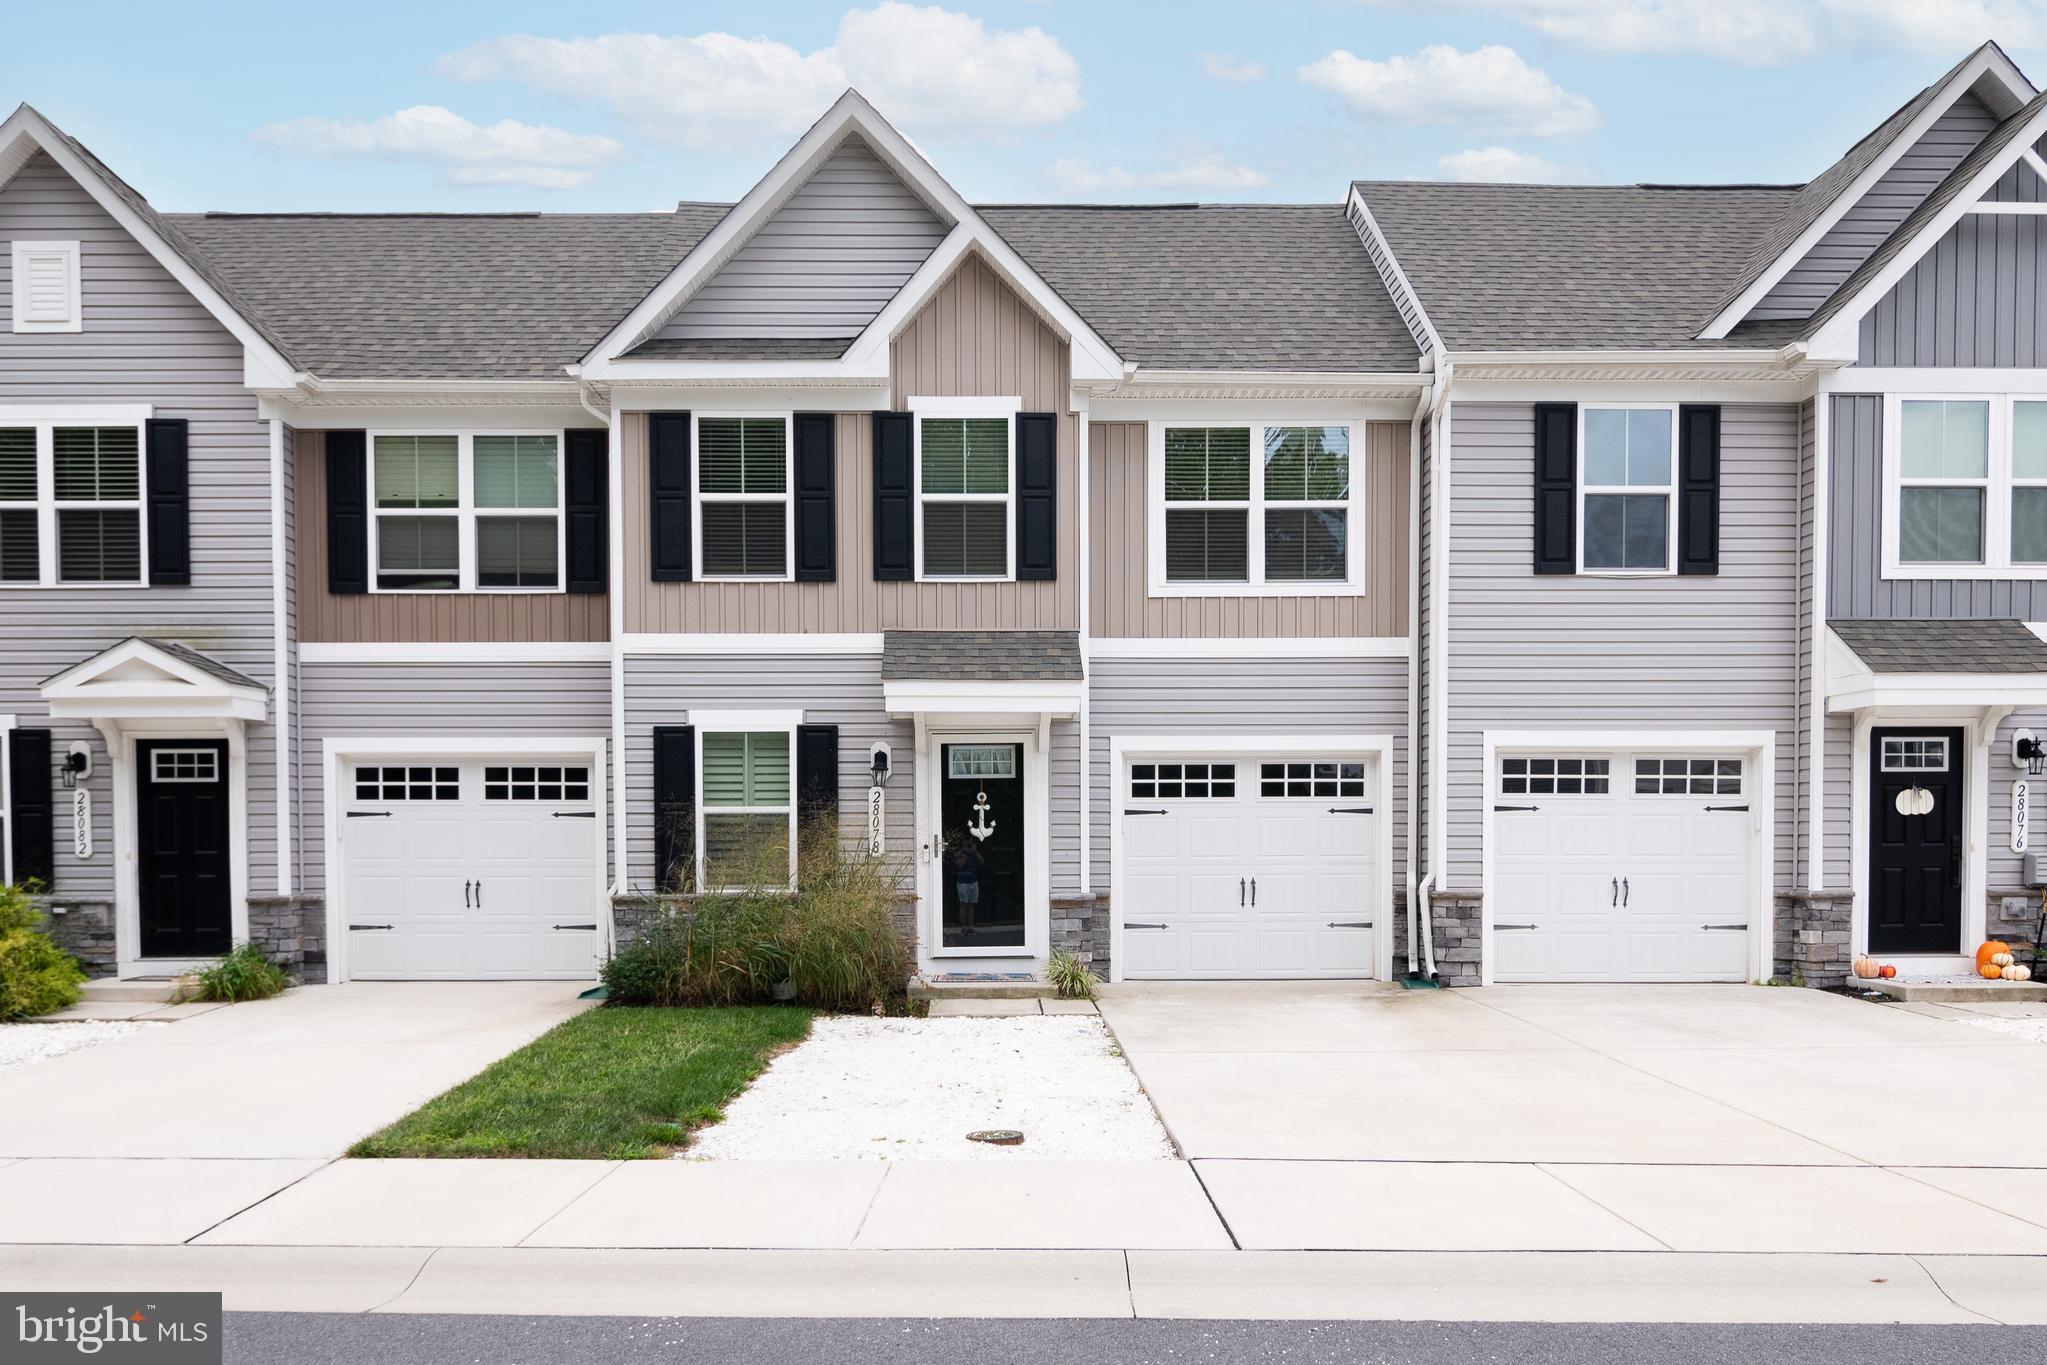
x: 981, y: 848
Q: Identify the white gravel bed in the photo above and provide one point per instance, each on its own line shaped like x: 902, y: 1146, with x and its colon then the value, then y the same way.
x: 21, y: 1044
x: 912, y: 1089
x: 2033, y: 1030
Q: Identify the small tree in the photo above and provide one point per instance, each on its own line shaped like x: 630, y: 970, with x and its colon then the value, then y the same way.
x: 36, y: 976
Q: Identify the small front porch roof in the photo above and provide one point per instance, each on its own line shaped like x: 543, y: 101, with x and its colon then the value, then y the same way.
x: 1934, y: 665
x: 142, y: 679
x: 981, y: 672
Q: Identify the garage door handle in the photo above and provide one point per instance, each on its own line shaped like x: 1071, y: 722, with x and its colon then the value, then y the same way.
x: 1616, y: 893
x: 1147, y: 926
x: 1254, y: 891
x: 465, y: 895
x: 1145, y: 812
x: 1350, y: 924
x: 1240, y: 891
x: 1711, y: 927
x: 1350, y: 810
x: 575, y: 926
x: 1517, y: 807
x: 1624, y: 892
x: 1727, y: 808
x: 368, y: 814
x: 575, y: 815
x: 369, y: 926
x: 1516, y: 926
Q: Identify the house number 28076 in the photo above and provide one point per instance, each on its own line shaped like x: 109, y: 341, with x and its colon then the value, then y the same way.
x: 2021, y: 814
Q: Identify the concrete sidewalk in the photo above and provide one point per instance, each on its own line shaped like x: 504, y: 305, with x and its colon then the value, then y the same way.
x: 1431, y: 1286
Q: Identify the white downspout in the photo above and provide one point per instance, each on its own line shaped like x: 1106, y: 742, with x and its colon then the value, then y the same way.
x: 1414, y: 694
x: 1084, y: 460
x: 1439, y: 636
x: 1816, y: 683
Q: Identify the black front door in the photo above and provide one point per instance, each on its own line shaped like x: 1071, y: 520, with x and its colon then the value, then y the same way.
x: 1915, y: 841
x: 981, y: 813
x: 181, y: 852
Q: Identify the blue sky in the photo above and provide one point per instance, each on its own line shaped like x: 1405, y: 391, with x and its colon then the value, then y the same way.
x: 447, y: 106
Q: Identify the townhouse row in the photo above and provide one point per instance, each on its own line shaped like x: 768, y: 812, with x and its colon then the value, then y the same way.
x: 1493, y: 583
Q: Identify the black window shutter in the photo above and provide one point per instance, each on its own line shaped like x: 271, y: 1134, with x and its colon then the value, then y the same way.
x: 1556, y: 487
x: 585, y: 481
x: 894, y: 492
x: 170, y: 502
x: 1037, y: 497
x: 675, y: 807
x: 817, y: 544
x: 348, y: 512
x: 668, y: 509
x: 1698, y: 489
x: 30, y: 806
x: 817, y: 784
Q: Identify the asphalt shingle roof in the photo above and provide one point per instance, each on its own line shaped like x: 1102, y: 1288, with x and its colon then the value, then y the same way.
x: 741, y: 348
x: 981, y: 655
x: 1540, y: 267
x: 1944, y: 646
x: 1217, y: 286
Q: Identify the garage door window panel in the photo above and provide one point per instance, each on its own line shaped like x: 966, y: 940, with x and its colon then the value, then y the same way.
x: 1183, y: 781
x: 1626, y: 485
x: 1311, y: 779
x: 747, y: 823
x: 411, y: 782
x: 1569, y: 775
x: 536, y: 782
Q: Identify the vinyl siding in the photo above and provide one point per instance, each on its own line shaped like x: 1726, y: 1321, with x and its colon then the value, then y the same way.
x: 441, y: 702
x: 1836, y: 819
x: 1120, y: 498
x: 1134, y: 697
x: 1878, y: 213
x: 404, y: 618
x: 825, y: 263
x: 145, y: 340
x: 2006, y: 868
x: 837, y: 689
x: 1596, y: 653
x: 1856, y: 587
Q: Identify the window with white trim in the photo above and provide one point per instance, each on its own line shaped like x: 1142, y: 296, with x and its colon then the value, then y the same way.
x: 1627, y: 468
x: 1254, y: 506
x: 1915, y: 754
x: 184, y: 765
x: 1183, y: 781
x: 1688, y: 777
x: 966, y: 489
x: 746, y: 809
x: 463, y: 512
x: 535, y: 782
x: 47, y: 296
x: 407, y: 782
x: 1965, y: 486
x: 742, y: 493
x: 1564, y: 775
x: 1318, y: 777
x: 70, y: 503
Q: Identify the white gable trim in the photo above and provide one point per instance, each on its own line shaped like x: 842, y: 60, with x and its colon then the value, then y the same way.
x: 26, y: 132
x: 105, y: 687
x: 1399, y: 285
x: 1093, y: 358
x: 1840, y: 337
x: 1990, y: 63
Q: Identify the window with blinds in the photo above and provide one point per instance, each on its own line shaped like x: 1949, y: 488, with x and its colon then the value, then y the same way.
x: 461, y: 511
x: 1253, y: 507
x: 70, y: 504
x: 748, y: 810
x: 964, y: 496
x: 1208, y: 504
x: 742, y: 489
x: 20, y: 537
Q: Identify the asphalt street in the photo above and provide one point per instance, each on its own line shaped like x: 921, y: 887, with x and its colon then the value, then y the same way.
x: 418, y: 1339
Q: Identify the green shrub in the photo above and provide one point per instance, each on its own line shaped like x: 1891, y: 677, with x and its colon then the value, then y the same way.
x: 1071, y: 978
x: 843, y: 951
x: 244, y: 974
x: 36, y: 976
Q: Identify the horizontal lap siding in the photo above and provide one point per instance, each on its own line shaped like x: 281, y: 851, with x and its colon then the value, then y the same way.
x: 1590, y: 653
x: 1837, y: 815
x: 836, y: 689
x: 1120, y: 501
x: 450, y: 702
x: 2006, y: 868
x: 145, y: 340
x: 420, y: 618
x: 1135, y: 697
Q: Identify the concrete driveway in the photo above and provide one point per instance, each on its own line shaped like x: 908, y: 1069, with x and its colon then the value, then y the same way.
x: 1709, y: 1118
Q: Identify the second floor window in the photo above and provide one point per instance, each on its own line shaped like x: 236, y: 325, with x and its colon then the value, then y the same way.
x: 742, y: 488
x: 70, y: 504
x: 458, y: 512
x: 1626, y: 484
x: 965, y: 485
x: 1265, y: 507
x: 1965, y: 486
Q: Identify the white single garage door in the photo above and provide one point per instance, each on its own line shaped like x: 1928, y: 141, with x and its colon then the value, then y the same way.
x: 1249, y: 867
x: 1622, y: 867
x: 465, y: 869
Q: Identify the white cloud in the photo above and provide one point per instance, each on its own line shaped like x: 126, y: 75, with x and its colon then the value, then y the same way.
x: 934, y: 70
x: 1504, y: 165
x: 1752, y: 32
x: 1489, y: 89
x: 1938, y: 26
x: 1219, y: 67
x: 1198, y: 171
x: 461, y: 152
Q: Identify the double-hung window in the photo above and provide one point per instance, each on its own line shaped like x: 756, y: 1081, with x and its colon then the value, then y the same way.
x: 743, y: 506
x: 1267, y: 507
x: 1965, y: 486
x: 746, y: 834
x: 1626, y: 488
x: 966, y: 488
x: 461, y: 512
x: 70, y: 502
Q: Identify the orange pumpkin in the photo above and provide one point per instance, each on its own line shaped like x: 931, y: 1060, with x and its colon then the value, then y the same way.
x: 1990, y: 971
x: 1988, y: 951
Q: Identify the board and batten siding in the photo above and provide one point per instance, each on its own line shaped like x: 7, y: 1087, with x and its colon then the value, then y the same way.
x: 829, y: 689
x: 1872, y: 218
x: 824, y: 263
x: 145, y: 340
x: 1120, y: 499
x: 446, y: 702
x: 1130, y: 698
x: 1856, y: 587
x: 974, y: 338
x: 419, y: 618
x: 1584, y: 652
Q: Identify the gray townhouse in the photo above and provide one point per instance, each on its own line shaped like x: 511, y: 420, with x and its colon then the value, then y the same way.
x: 1486, y: 582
